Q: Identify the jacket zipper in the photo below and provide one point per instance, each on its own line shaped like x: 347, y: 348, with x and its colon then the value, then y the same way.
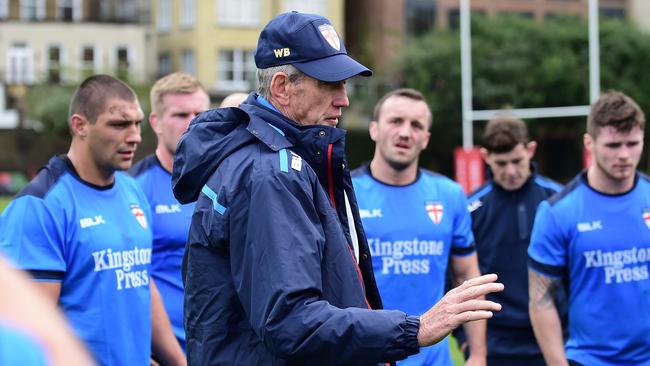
x: 330, y: 181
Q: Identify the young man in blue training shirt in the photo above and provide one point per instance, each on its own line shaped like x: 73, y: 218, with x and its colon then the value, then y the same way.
x: 175, y: 100
x: 415, y: 220
x: 81, y: 228
x: 277, y: 269
x: 594, y: 237
x: 503, y: 210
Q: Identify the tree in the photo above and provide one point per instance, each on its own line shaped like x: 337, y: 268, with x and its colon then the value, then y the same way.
x: 523, y: 64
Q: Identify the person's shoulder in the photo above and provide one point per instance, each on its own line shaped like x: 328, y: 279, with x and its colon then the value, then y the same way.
x: 436, y: 178
x: 143, y: 166
x: 480, y: 192
x: 547, y: 183
x: 124, y: 180
x: 565, y: 195
x: 360, y: 172
x: 477, y: 198
x: 644, y: 179
x: 45, y: 180
x: 441, y: 181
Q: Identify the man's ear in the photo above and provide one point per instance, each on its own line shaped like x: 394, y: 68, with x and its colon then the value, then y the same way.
x: 588, y: 141
x: 373, y: 130
x: 426, y: 141
x: 79, y: 125
x: 280, y: 88
x: 531, y: 147
x: 484, y: 154
x: 153, y: 121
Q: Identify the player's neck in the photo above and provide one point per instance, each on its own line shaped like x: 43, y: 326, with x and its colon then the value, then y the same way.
x: 88, y: 169
x: 385, y: 173
x: 165, y: 157
x: 601, y: 182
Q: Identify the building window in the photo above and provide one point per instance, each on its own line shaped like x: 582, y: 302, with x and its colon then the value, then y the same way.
x: 4, y: 9
x: 164, y: 15
x: 238, y: 13
x: 68, y: 10
x: 125, y: 10
x: 88, y: 61
x: 420, y: 16
x: 164, y: 64
x: 236, y: 70
x: 32, y: 9
x: 188, y: 63
x: 306, y: 6
x: 617, y: 13
x: 122, y: 63
x: 20, y: 62
x: 188, y: 13
x: 53, y: 71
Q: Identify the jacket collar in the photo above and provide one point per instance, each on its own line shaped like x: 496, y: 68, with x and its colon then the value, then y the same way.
x: 279, y: 132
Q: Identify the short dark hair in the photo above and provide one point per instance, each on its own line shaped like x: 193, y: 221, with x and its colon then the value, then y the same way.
x: 504, y: 133
x: 90, y: 97
x: 617, y: 110
x: 402, y: 92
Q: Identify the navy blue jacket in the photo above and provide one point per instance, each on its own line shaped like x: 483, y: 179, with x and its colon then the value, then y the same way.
x: 502, y: 222
x: 270, y: 276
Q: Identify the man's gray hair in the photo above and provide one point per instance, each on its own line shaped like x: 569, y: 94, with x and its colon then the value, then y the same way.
x: 264, y: 77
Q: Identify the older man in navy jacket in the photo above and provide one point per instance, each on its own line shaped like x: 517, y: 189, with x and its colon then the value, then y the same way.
x: 277, y: 269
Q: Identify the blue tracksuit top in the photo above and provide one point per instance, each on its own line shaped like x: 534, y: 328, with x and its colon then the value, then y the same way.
x: 270, y: 276
x: 502, y: 222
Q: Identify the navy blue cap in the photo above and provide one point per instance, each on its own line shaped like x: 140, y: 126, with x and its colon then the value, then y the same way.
x: 310, y: 43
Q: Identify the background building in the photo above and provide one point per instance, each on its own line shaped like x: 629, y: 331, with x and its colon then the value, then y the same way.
x: 215, y: 39
x: 64, y: 41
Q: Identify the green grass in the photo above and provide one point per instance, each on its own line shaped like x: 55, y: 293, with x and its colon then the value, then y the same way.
x: 4, y: 201
x: 456, y: 357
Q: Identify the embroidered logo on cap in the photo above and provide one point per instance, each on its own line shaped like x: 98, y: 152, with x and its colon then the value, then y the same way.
x: 329, y: 33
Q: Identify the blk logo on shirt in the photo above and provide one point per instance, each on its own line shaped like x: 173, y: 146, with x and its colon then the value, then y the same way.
x: 434, y: 210
x: 139, y: 215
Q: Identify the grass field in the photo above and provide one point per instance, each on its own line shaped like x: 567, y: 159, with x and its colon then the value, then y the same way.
x: 4, y: 201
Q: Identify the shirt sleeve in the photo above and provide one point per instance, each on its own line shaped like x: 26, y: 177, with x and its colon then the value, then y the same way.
x: 463, y: 239
x: 31, y: 236
x: 547, y: 250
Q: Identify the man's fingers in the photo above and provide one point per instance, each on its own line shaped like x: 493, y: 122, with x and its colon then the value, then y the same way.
x: 479, y: 290
x: 476, y: 281
x: 469, y: 316
x: 478, y: 305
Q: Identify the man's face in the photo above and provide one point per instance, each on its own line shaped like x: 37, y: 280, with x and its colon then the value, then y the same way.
x: 402, y: 131
x: 314, y: 102
x: 114, y: 136
x: 176, y: 113
x: 511, y: 169
x: 616, y: 154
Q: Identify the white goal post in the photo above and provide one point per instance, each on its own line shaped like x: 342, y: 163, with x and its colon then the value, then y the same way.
x: 470, y: 115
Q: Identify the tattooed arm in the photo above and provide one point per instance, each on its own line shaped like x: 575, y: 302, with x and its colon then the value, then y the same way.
x: 545, y: 318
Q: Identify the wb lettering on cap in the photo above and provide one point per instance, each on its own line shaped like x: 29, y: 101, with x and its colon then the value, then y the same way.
x: 281, y: 52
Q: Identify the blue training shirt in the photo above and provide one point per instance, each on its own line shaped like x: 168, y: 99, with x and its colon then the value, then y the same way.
x: 411, y: 232
x: 602, y: 243
x: 170, y: 223
x: 95, y: 241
